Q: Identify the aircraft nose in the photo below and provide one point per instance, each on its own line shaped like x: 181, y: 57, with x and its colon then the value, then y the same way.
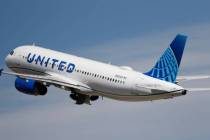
x: 8, y: 60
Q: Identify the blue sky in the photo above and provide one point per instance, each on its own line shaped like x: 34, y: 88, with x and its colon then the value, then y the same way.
x: 132, y: 33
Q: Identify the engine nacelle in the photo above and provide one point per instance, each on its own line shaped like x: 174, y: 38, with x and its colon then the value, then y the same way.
x: 30, y: 87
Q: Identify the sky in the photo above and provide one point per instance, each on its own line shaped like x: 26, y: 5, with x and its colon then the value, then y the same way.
x: 121, y: 32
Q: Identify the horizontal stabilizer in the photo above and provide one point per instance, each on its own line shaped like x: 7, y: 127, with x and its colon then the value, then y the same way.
x: 198, y: 89
x: 189, y: 78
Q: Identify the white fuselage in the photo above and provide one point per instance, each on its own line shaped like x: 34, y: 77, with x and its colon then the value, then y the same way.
x: 121, y: 83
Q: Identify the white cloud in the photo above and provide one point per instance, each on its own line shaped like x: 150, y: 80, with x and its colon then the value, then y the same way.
x: 110, y: 120
x: 185, y: 117
x: 141, y: 50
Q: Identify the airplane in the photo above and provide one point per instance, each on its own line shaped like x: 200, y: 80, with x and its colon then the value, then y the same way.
x: 37, y: 68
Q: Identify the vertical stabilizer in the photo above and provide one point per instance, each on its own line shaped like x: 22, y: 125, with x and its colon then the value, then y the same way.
x: 167, y: 66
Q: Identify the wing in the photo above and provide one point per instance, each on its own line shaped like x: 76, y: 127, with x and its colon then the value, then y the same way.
x: 53, y: 79
x: 187, y: 78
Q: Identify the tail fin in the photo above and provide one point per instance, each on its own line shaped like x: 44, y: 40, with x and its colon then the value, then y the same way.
x: 167, y: 66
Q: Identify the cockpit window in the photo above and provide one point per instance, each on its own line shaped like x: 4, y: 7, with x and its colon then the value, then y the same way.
x: 12, y: 52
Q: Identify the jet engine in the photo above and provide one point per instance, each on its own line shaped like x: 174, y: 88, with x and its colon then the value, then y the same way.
x: 30, y: 87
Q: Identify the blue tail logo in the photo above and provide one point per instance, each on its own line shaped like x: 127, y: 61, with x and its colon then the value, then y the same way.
x: 167, y: 66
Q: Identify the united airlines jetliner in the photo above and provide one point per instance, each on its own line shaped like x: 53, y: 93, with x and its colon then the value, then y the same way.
x: 38, y: 68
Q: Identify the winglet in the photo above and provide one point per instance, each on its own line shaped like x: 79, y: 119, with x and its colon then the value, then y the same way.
x: 1, y: 70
